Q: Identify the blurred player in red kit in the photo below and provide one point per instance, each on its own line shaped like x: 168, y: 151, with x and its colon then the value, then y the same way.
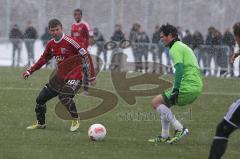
x: 67, y: 79
x: 82, y: 32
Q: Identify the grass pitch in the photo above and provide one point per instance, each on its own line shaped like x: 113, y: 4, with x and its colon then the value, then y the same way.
x: 128, y: 127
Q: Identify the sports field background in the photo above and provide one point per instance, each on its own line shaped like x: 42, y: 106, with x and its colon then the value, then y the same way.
x: 126, y: 136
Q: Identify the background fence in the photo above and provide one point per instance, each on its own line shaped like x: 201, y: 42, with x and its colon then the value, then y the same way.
x: 213, y: 60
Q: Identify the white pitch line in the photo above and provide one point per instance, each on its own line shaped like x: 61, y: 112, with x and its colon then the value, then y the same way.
x: 38, y: 89
x: 19, y: 88
x: 222, y: 93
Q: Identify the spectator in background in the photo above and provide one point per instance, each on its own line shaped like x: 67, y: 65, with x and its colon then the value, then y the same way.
x: 168, y: 69
x: 30, y: 36
x: 220, y: 53
x: 16, y: 37
x: 188, y: 39
x: 197, y: 41
x: 209, y: 51
x: 99, y: 40
x: 132, y: 37
x: 217, y: 38
x: 118, y: 34
x: 142, y: 43
x: 228, y: 39
x: 180, y: 33
x: 45, y: 38
x: 155, y: 49
x: 116, y: 60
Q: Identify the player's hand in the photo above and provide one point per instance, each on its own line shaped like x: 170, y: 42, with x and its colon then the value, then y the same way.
x: 234, y: 56
x: 93, y: 82
x: 27, y: 73
x: 174, y: 96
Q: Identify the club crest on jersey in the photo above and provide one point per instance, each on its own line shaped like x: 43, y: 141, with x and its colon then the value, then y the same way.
x: 63, y: 50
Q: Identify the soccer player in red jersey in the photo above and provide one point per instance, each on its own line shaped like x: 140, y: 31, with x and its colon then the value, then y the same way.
x: 66, y: 81
x: 80, y: 29
x: 82, y: 32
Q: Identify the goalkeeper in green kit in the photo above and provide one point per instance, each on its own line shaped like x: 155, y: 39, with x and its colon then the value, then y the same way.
x: 187, y: 85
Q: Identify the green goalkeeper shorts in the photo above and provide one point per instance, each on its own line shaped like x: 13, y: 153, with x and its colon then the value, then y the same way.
x: 186, y: 96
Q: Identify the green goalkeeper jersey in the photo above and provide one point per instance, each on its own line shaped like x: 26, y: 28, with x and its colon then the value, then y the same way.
x: 191, y: 79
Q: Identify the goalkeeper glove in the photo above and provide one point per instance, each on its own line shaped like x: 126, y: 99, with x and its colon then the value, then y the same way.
x: 174, y: 96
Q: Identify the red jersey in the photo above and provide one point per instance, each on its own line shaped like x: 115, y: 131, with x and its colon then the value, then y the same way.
x: 81, y: 31
x: 69, y: 57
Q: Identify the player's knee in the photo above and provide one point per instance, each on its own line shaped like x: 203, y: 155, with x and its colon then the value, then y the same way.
x: 42, y: 97
x: 65, y: 99
x: 224, y: 129
x: 62, y: 98
x: 40, y: 100
x: 156, y: 101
